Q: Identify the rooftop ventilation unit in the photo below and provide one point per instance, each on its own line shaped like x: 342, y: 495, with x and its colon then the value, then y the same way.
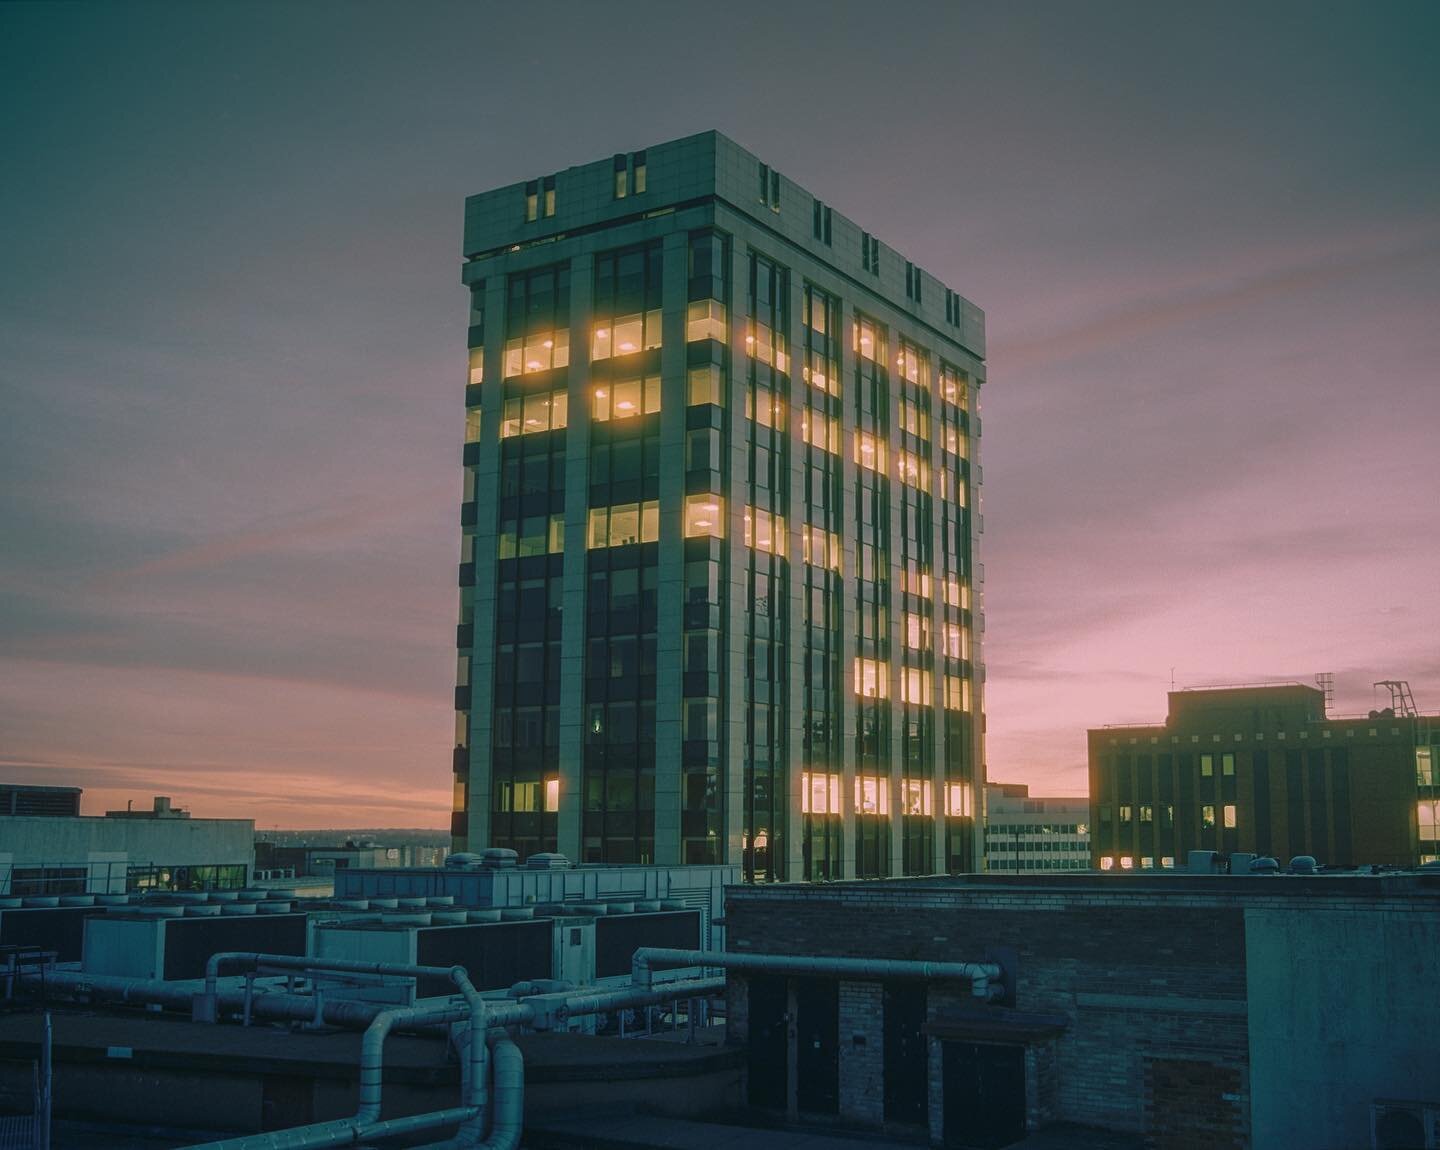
x: 547, y: 860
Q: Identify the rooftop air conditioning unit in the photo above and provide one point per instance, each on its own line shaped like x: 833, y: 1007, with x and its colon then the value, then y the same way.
x: 1398, y: 1125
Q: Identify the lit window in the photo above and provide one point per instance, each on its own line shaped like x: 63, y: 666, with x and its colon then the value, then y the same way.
x: 871, y: 679
x: 765, y: 408
x: 1207, y: 766
x: 917, y: 632
x: 623, y: 524
x: 957, y: 641
x: 869, y: 451
x: 1227, y: 764
x: 872, y: 795
x: 909, y: 362
x: 1230, y: 815
x: 1207, y: 816
x: 1127, y: 814
x: 1127, y: 862
x: 766, y: 346
x: 865, y: 340
x: 957, y: 693
x: 529, y: 414
x: 957, y: 594
x: 622, y: 178
x: 764, y: 531
x: 820, y: 431
x: 704, y: 515
x: 627, y: 334
x: 477, y: 365
x: 1107, y: 862
x: 472, y: 425
x: 912, y: 470
x: 1167, y: 862
x: 819, y: 793
x: 915, y: 582
x: 1147, y: 862
x: 532, y: 535
x: 1424, y: 766
x: 705, y: 384
x: 914, y: 685
x: 1147, y: 814
x: 532, y: 201
x: 913, y: 418
x: 539, y: 352
x: 638, y: 162
x: 552, y: 793
x: 548, y: 191
x: 626, y: 398
x: 915, y: 797
x: 820, y: 548
x: 957, y: 800
x: 705, y: 319
x: 954, y: 386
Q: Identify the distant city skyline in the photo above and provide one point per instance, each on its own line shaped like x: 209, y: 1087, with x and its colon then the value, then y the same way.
x: 1206, y: 241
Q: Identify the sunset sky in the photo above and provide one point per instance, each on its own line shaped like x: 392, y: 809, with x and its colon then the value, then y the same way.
x: 232, y: 350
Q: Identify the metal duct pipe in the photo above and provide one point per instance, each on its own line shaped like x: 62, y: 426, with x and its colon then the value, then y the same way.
x: 978, y: 974
x: 203, y: 1009
x: 622, y: 999
x: 509, y: 1106
x: 341, y: 1132
x: 181, y: 996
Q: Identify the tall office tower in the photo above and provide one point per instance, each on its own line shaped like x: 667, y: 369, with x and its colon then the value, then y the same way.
x: 719, y: 599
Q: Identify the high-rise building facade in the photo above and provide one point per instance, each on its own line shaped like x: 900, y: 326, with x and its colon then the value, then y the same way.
x: 1265, y: 770
x: 719, y: 592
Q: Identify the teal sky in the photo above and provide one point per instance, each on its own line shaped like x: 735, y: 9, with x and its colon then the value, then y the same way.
x: 1207, y: 239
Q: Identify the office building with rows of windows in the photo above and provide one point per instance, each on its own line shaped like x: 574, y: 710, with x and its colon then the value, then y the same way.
x: 719, y: 599
x: 1265, y: 770
x: 1025, y: 833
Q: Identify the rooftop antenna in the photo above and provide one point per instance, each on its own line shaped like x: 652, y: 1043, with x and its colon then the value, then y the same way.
x: 1172, y: 678
x: 1402, y: 702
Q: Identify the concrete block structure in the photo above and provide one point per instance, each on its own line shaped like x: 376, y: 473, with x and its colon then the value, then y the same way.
x: 1265, y: 770
x: 1193, y: 1012
x: 720, y: 599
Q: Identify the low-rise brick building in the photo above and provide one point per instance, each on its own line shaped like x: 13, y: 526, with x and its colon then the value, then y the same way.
x: 1197, y: 1012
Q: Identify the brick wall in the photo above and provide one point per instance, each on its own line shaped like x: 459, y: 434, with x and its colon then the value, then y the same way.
x: 862, y: 1052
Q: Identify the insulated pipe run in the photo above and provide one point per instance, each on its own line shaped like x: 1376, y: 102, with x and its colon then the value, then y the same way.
x: 978, y: 974
x: 251, y: 960
x: 509, y: 1105
x: 622, y: 999
x: 341, y: 1132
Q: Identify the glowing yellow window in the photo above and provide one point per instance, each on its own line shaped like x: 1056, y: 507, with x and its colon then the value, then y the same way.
x: 915, y: 582
x: 957, y: 693
x: 957, y: 594
x: 914, y: 686
x: 626, y: 398
x: 820, y: 431
x: 913, y: 418
x: 865, y: 340
x: 917, y: 632
x: 872, y: 795
x: 957, y: 800
x: 765, y: 408
x: 957, y: 641
x: 819, y: 793
x: 705, y: 319
x: 912, y: 470
x: 764, y: 531
x: 472, y: 425
x: 871, y: 679
x: 915, y: 797
x: 704, y: 515
x: 477, y: 365
x: 820, y: 548
x: 704, y: 384
x: 552, y: 793
x: 869, y: 451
